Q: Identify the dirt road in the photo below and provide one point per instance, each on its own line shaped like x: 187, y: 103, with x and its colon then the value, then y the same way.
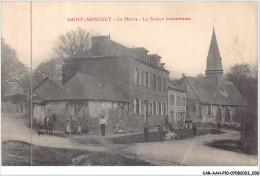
x: 190, y: 152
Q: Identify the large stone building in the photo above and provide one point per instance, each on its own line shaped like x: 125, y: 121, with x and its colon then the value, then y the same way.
x: 212, y: 99
x: 140, y: 78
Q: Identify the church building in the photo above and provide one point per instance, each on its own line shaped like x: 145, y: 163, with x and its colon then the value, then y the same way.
x: 211, y: 99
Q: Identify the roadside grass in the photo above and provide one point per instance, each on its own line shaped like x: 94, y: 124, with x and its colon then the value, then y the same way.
x: 108, y: 159
x: 154, y: 136
x: 230, y: 145
x: 18, y: 153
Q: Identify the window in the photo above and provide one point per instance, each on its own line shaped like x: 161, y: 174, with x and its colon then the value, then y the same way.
x: 154, y: 108
x: 159, y: 83
x: 137, y: 106
x: 159, y: 109
x: 137, y: 76
x: 183, y: 102
x: 164, y: 85
x: 173, y: 116
x: 178, y: 101
x: 172, y: 99
x: 150, y: 108
x: 164, y: 109
x: 154, y: 81
x: 146, y: 78
x: 209, y: 110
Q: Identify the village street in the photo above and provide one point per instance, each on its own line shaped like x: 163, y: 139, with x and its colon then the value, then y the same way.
x: 179, y: 152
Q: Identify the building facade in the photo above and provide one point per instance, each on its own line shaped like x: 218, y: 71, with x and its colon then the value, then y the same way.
x: 139, y: 76
x: 176, y: 104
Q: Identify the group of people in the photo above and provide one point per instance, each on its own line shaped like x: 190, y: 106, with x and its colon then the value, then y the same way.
x: 162, y: 132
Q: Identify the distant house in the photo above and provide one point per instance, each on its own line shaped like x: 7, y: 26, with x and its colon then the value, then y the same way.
x: 45, y: 88
x: 176, y: 104
x: 212, y: 99
x: 84, y: 99
x: 140, y: 77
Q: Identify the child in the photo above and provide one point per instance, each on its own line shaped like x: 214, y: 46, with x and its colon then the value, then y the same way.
x: 79, y: 129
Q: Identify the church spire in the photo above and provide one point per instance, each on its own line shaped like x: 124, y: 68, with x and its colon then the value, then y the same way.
x: 214, y: 69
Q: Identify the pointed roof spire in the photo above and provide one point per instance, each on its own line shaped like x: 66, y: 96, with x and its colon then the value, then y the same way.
x: 214, y: 69
x: 213, y: 49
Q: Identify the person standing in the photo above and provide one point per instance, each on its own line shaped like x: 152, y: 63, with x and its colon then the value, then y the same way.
x: 103, y: 124
x: 194, y: 130
x: 146, y: 132
x: 160, y: 131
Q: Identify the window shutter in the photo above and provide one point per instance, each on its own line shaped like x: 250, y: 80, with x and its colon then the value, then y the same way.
x: 135, y: 76
x: 151, y: 79
x: 149, y: 75
x: 134, y: 106
x: 151, y: 107
x: 142, y: 78
x: 161, y: 108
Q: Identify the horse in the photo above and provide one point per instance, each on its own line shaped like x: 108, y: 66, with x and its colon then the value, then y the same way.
x: 48, y: 123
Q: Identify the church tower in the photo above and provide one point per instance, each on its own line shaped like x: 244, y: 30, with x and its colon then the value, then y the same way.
x: 214, y: 71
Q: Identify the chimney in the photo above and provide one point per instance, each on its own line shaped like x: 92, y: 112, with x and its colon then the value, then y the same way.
x: 100, y: 45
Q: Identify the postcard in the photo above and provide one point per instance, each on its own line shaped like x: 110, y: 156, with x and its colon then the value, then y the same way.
x: 130, y: 83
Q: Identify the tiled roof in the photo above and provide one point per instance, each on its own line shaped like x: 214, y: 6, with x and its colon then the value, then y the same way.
x: 223, y: 94
x: 86, y: 87
x: 45, y: 89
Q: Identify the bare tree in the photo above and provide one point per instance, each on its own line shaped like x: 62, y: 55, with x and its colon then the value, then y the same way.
x: 73, y: 42
x: 50, y: 69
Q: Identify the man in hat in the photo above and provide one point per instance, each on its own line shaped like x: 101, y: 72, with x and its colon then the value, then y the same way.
x: 103, y: 124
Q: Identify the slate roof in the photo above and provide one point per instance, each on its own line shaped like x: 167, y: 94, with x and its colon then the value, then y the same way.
x: 176, y: 87
x: 214, y: 62
x: 114, y: 49
x: 86, y: 87
x: 213, y: 49
x: 208, y: 93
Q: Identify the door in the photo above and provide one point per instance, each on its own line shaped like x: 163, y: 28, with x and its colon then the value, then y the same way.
x: 227, y: 115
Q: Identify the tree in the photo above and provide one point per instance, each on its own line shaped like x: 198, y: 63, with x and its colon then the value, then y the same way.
x: 246, y: 82
x: 13, y: 72
x: 68, y: 44
x: 245, y: 79
x: 50, y: 69
x: 73, y: 42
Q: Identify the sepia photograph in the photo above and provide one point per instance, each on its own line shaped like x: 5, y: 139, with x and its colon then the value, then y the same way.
x: 130, y: 84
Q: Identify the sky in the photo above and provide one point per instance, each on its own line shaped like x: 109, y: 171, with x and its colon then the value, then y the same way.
x: 183, y: 45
